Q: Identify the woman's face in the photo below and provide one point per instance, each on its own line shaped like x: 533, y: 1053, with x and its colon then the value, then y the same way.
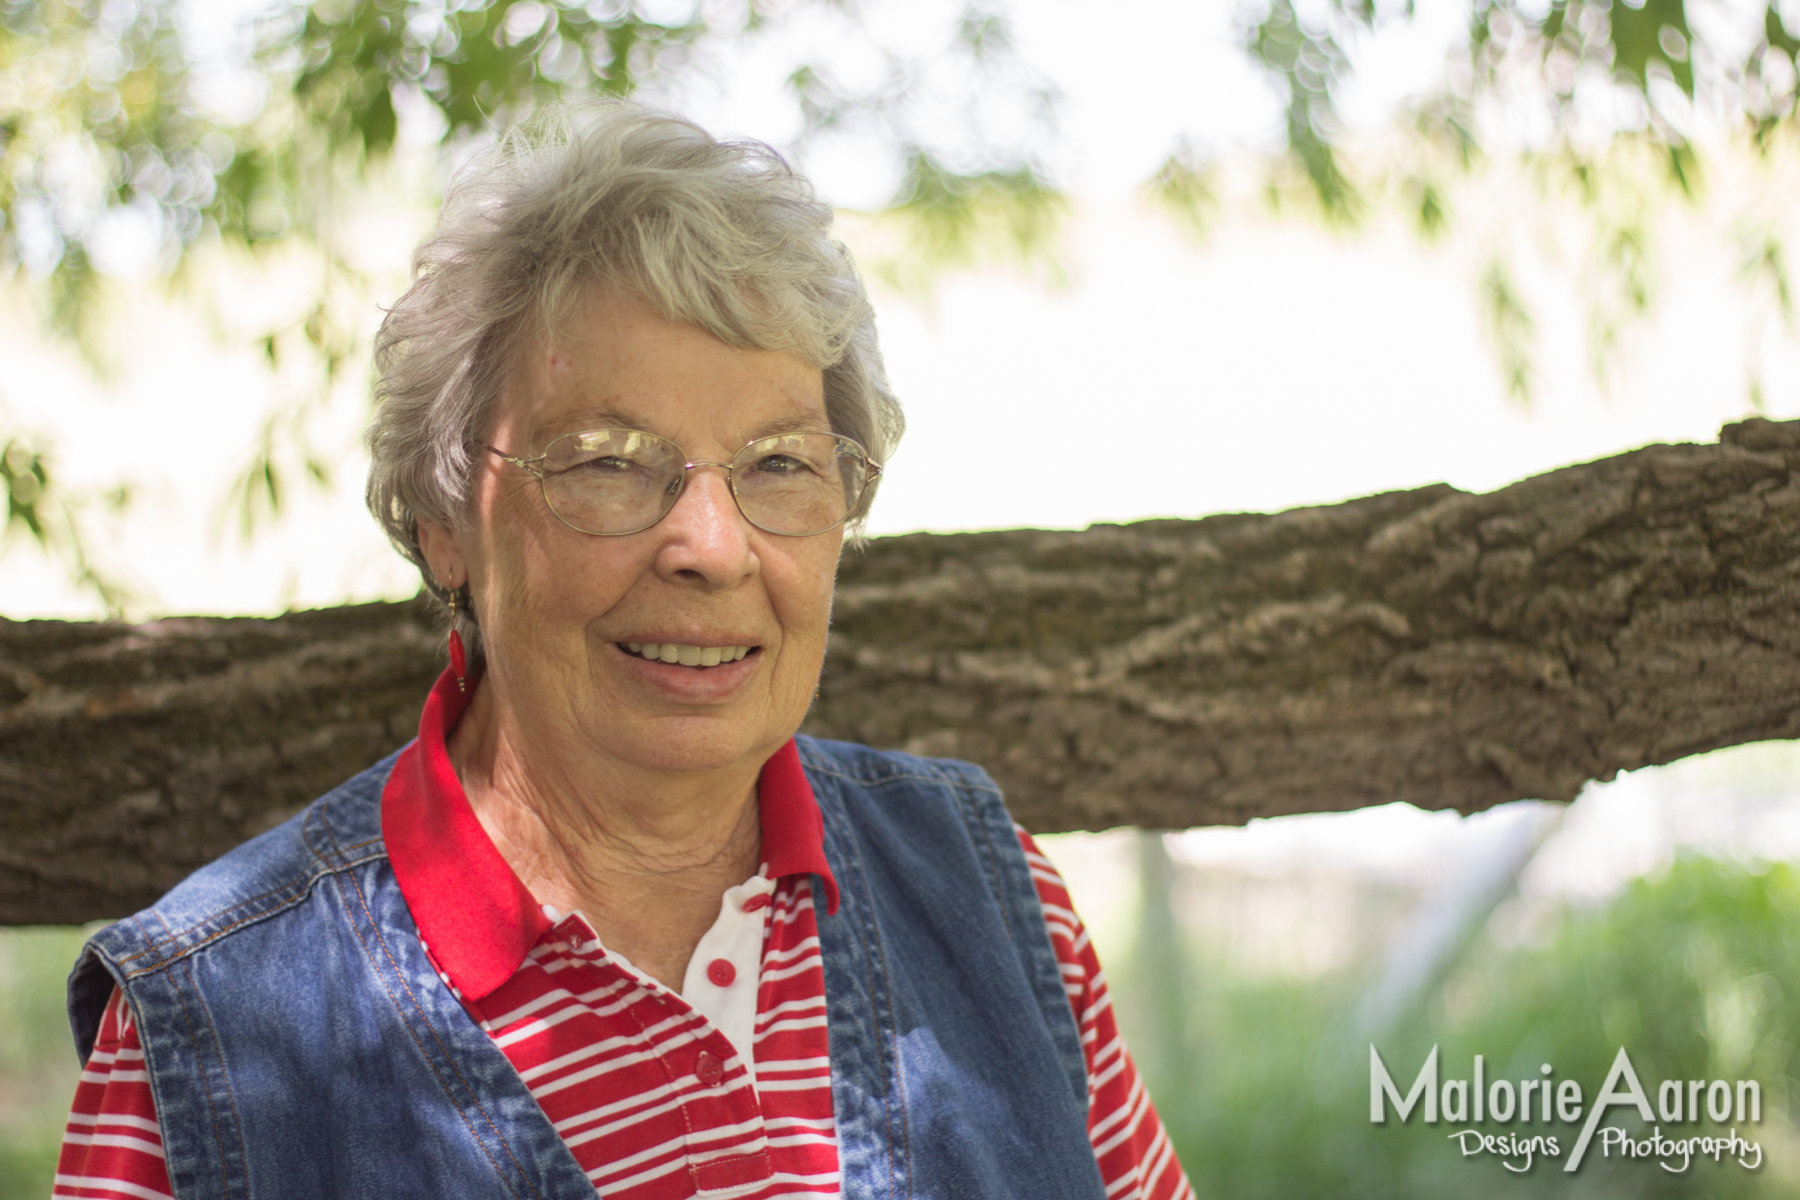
x: 558, y: 608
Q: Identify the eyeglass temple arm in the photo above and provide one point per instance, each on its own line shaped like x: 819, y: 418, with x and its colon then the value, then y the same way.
x: 526, y: 464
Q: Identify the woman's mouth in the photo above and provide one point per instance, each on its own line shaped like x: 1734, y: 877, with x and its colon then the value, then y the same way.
x: 676, y: 654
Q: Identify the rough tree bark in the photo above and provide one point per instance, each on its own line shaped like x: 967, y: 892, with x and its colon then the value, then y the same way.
x: 1446, y: 649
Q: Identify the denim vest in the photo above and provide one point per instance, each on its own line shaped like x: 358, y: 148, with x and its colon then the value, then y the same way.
x: 300, y: 1045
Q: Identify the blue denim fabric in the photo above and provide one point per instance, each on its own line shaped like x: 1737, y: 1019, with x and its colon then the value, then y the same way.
x: 299, y: 1044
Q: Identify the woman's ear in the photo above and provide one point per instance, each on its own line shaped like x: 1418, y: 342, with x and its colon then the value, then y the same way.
x: 442, y: 548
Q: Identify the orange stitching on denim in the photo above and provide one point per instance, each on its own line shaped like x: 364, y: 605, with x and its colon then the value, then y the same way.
x: 304, y: 886
x: 194, y: 1041
x: 855, y: 868
x: 363, y: 902
x: 995, y: 884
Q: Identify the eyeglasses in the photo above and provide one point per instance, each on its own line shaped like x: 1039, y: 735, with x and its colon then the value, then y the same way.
x: 610, y: 482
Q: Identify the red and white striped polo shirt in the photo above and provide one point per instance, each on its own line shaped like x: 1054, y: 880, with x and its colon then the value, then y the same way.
x: 724, y: 1087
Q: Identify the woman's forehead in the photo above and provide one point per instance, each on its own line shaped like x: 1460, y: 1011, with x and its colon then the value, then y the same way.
x: 736, y: 425
x: 617, y: 363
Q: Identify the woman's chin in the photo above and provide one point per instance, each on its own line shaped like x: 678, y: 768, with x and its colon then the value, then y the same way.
x: 693, y: 742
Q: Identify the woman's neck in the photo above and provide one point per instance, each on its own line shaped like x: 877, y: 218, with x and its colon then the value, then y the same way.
x: 645, y: 856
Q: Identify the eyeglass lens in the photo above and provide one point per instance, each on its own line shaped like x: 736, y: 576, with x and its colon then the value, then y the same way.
x: 614, y: 481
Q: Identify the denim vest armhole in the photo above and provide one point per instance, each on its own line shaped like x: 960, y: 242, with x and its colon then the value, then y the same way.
x: 170, y: 962
x: 956, y: 1062
x: 299, y: 1042
x: 90, y: 986
x: 991, y: 828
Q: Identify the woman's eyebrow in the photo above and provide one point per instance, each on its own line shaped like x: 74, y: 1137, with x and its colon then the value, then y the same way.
x: 612, y: 418
x: 800, y: 422
x: 598, y: 418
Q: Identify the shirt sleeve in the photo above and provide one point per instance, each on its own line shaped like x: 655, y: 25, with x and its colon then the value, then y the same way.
x: 112, y: 1148
x: 1137, y: 1161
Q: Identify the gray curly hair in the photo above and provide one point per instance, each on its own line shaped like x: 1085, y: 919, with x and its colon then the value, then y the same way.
x: 719, y: 234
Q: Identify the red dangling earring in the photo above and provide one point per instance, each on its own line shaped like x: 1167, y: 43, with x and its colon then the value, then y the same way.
x: 458, y: 662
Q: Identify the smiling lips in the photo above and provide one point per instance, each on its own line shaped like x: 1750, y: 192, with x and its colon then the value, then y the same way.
x: 687, y: 656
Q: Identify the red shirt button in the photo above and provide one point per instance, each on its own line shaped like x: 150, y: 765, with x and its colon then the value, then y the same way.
x: 720, y: 972
x: 708, y: 1068
x: 756, y: 902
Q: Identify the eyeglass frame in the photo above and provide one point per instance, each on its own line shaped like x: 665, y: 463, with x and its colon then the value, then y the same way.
x: 530, y: 466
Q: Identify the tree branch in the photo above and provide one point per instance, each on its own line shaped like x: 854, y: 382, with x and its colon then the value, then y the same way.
x: 1431, y: 646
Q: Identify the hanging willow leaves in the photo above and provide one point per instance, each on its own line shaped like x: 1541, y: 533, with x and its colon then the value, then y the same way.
x: 1511, y: 328
x: 337, y: 74
x: 954, y: 219
x: 1309, y: 61
x: 54, y: 518
x: 104, y: 110
x: 1186, y: 186
x: 116, y: 87
x: 25, y: 477
x: 1580, y: 65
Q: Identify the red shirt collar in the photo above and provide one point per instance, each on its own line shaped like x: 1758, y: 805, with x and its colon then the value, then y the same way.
x: 474, y: 914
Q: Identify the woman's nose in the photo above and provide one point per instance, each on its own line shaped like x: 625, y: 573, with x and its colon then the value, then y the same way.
x: 704, y: 534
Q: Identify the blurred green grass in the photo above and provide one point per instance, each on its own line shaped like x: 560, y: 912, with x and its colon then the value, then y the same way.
x: 38, y: 1069
x: 1264, y: 1085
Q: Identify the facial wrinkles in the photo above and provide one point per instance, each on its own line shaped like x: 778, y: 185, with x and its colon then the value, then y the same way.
x: 571, y: 600
x: 520, y: 545
x: 568, y: 399
x: 673, y: 846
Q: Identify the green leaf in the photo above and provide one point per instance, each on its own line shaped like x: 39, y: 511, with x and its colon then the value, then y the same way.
x: 1763, y: 262
x: 1510, y: 325
x: 1187, y: 187
x: 1309, y: 64
x: 26, y: 478
x: 1655, y: 33
x: 1431, y: 215
x: 954, y: 219
x: 54, y: 520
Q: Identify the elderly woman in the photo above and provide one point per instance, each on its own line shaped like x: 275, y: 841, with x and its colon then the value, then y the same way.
x: 608, y: 925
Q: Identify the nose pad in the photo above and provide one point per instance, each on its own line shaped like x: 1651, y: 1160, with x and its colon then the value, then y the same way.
x: 707, y: 523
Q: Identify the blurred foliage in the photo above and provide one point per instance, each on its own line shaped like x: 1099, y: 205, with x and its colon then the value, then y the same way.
x: 55, y: 517
x: 115, y: 109
x: 1186, y: 186
x: 955, y: 219
x: 38, y: 1068
x: 1598, y: 86
x: 1265, y: 1087
x: 1510, y: 326
x: 1567, y: 52
x: 107, y: 105
x: 1310, y: 60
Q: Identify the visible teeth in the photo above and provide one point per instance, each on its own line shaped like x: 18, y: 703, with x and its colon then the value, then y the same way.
x: 687, y: 656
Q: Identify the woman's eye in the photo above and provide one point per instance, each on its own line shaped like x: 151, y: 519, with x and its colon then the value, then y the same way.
x: 607, y: 464
x: 780, y: 464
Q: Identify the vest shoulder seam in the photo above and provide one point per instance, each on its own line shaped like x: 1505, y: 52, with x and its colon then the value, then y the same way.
x: 904, y: 768
x: 296, y: 891
x: 281, y: 873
